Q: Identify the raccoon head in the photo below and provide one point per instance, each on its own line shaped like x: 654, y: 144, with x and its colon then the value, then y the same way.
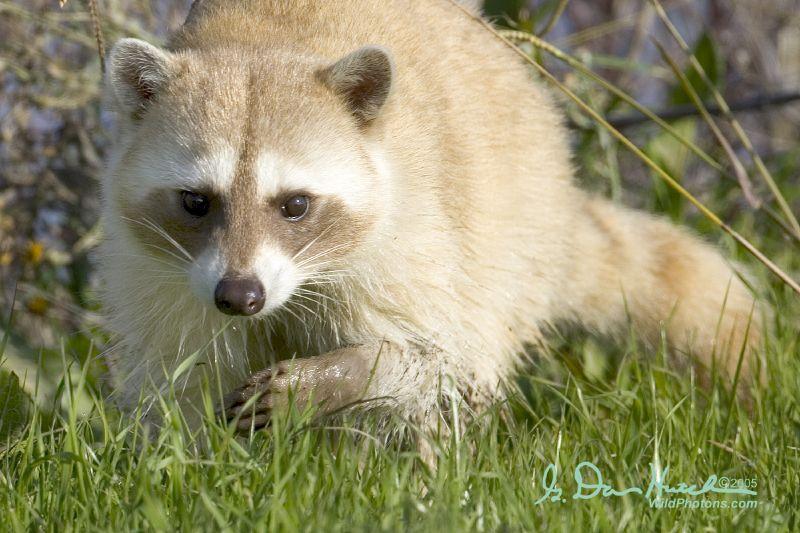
x: 249, y: 174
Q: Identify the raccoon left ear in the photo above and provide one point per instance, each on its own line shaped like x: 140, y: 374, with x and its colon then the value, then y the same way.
x: 364, y: 79
x: 137, y: 71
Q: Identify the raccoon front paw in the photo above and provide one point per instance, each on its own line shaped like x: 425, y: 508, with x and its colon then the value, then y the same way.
x: 270, y: 388
x: 330, y: 382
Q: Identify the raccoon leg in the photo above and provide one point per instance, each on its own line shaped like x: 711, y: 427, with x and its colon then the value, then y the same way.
x: 369, y: 374
x: 626, y: 264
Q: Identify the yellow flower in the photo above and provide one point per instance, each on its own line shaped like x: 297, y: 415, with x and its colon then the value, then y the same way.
x: 38, y: 305
x: 34, y: 253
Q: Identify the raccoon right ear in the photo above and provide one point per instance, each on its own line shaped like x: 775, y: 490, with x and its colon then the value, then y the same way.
x: 137, y: 71
x: 364, y: 79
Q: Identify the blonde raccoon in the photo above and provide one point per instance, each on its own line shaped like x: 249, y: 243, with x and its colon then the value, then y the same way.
x: 367, y: 200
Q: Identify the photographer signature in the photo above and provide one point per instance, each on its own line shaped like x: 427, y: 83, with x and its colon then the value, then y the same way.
x: 590, y: 485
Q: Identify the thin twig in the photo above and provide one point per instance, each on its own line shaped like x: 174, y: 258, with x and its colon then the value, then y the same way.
x: 757, y: 102
x: 94, y: 16
x: 98, y: 34
x: 775, y: 269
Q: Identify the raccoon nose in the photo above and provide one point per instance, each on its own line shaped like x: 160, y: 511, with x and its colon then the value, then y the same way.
x: 239, y: 296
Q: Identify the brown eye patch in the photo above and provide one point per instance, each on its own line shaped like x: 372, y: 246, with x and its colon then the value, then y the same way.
x: 329, y: 227
x: 239, y: 225
x: 163, y: 216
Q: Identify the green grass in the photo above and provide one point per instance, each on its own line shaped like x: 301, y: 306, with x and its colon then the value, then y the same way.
x: 86, y: 467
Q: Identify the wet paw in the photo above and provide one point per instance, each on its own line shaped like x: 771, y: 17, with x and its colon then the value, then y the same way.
x: 251, y: 405
x: 329, y: 382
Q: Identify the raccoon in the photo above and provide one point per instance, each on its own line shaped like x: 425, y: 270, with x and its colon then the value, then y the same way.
x: 369, y: 205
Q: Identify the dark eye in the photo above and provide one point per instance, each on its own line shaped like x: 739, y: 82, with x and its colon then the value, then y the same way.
x: 295, y: 207
x: 195, y: 204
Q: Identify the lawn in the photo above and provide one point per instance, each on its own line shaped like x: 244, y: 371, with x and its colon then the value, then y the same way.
x: 89, y: 468
x: 654, y: 449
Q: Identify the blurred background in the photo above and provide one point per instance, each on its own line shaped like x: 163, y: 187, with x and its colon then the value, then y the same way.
x: 53, y: 135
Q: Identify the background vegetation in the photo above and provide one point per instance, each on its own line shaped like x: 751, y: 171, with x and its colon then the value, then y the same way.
x: 69, y: 459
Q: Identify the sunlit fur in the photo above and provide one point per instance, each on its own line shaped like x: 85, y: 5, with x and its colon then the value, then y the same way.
x: 476, y: 241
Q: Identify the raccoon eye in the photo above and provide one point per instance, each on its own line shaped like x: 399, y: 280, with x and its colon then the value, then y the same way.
x: 295, y: 207
x: 195, y: 204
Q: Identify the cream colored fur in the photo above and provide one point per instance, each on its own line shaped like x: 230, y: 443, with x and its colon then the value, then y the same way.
x: 481, y: 239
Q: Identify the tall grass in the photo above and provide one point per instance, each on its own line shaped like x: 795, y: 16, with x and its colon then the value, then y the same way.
x: 88, y: 467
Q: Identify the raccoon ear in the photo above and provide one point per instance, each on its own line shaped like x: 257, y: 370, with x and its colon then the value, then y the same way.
x: 364, y: 79
x: 136, y: 72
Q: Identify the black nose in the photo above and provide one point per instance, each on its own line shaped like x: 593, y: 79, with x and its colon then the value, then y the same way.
x: 239, y: 296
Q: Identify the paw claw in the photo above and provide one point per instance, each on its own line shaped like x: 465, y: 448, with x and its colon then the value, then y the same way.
x: 255, y: 422
x: 271, y: 389
x: 262, y: 405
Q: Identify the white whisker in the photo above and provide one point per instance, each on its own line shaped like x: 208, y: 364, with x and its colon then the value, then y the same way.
x: 307, y: 246
x: 161, y: 232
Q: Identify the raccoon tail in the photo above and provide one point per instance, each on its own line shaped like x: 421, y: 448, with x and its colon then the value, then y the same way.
x: 631, y: 267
